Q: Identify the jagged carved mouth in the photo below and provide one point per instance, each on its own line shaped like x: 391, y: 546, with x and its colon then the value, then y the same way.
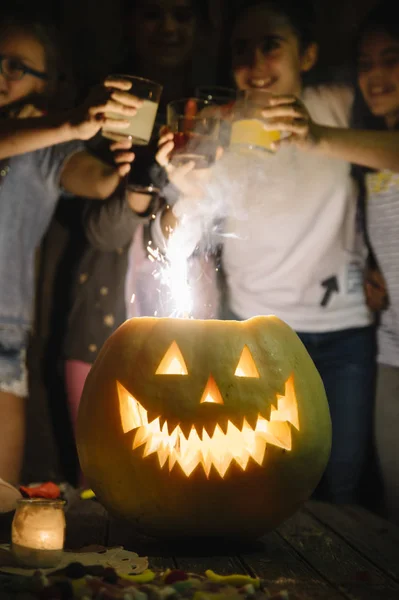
x: 224, y: 446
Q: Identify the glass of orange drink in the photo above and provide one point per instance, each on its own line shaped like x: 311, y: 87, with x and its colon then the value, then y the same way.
x: 248, y: 126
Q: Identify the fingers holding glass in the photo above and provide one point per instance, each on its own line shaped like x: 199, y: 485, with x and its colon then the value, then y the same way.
x: 140, y: 98
x: 195, y: 132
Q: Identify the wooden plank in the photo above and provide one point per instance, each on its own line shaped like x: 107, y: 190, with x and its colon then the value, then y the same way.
x: 198, y: 557
x: 373, y: 522
x: 379, y: 548
x: 283, y: 569
x: 121, y: 533
x: 336, y: 561
x: 86, y: 521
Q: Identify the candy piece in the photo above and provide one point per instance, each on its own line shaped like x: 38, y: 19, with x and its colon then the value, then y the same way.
x: 166, y: 592
x: 44, y: 490
x: 182, y: 586
x: 101, y: 589
x: 144, y: 577
x: 110, y: 575
x: 249, y: 589
x: 95, y: 570
x: 38, y: 581
x: 174, y: 575
x: 136, y: 594
x: 237, y: 579
x: 210, y: 596
x: 75, y: 570
x: 60, y: 590
x: 87, y: 494
x: 79, y: 587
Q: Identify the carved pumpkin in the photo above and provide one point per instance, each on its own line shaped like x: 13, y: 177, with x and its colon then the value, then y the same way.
x: 190, y: 427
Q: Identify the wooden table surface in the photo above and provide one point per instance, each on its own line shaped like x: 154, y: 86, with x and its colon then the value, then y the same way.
x: 323, y: 552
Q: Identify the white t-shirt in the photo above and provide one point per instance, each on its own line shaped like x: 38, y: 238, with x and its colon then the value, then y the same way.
x: 291, y: 246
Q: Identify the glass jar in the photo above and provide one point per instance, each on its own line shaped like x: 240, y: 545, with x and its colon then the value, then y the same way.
x: 38, y: 532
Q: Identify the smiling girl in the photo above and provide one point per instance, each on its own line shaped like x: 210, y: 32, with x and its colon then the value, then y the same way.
x: 297, y: 252
x: 378, y: 79
x: 377, y: 148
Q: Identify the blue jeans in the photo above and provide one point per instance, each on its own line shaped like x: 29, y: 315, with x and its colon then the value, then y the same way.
x: 346, y: 362
x: 13, y: 373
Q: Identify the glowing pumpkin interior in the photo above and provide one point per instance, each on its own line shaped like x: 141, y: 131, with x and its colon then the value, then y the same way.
x: 199, y: 448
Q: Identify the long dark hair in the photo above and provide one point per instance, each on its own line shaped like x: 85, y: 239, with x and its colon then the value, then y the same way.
x: 300, y: 15
x: 384, y: 18
x: 60, y: 89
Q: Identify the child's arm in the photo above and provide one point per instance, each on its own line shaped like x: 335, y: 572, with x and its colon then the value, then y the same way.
x: 187, y: 182
x: 86, y: 175
x: 374, y: 149
x: 18, y: 136
x: 110, y: 225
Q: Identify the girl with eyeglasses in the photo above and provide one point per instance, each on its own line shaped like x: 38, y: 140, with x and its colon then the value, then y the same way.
x: 40, y: 154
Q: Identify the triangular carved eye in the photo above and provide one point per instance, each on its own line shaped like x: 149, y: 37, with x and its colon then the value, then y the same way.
x: 211, y: 392
x: 246, y: 365
x: 173, y: 362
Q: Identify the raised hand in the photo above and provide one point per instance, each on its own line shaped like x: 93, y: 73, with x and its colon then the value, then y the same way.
x: 289, y: 115
x: 111, y: 97
x: 375, y: 290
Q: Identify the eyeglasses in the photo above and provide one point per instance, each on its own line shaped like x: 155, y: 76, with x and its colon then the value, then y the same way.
x: 14, y: 69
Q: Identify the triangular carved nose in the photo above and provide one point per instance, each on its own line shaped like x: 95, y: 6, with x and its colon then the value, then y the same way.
x: 211, y: 392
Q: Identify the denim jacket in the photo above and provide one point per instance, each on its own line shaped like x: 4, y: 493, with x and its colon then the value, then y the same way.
x: 29, y: 190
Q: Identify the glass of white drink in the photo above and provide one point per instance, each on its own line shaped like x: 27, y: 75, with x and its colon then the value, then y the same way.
x: 139, y: 132
x: 247, y: 129
x: 142, y: 123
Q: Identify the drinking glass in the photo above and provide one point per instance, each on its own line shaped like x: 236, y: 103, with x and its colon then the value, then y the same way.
x: 224, y: 97
x: 247, y: 129
x: 195, y: 124
x: 142, y: 123
x: 139, y: 131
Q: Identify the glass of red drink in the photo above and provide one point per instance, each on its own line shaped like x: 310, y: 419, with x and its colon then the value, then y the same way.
x: 195, y: 124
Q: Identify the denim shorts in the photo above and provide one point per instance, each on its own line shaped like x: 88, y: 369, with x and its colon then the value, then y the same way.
x: 13, y: 372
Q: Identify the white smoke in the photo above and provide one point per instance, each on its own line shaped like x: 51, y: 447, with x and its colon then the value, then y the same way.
x: 237, y: 187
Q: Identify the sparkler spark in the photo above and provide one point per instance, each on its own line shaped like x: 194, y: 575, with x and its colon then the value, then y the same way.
x: 172, y: 273
x: 201, y: 215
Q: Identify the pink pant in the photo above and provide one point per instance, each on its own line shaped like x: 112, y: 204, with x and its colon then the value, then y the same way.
x: 76, y: 372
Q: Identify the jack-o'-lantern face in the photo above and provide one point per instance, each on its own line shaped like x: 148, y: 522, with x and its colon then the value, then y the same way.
x: 186, y: 400
x: 213, y: 444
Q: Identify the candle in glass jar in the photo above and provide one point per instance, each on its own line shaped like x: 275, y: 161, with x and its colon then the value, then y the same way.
x: 38, y: 532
